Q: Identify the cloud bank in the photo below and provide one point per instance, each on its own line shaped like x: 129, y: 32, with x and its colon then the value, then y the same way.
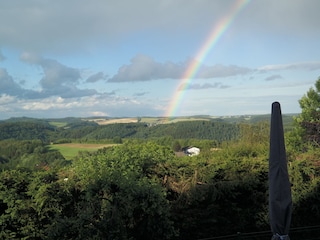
x: 145, y: 68
x: 58, y: 79
x: 72, y: 24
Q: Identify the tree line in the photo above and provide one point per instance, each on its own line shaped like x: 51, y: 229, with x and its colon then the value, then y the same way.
x: 89, y: 131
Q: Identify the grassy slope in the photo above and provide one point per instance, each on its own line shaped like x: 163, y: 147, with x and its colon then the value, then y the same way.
x: 58, y: 124
x: 70, y: 150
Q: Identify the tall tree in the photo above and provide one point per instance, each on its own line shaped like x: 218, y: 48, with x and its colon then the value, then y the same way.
x: 309, y: 119
x: 124, y: 197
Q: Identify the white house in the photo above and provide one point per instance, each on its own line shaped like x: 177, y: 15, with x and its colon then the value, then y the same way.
x: 192, y: 151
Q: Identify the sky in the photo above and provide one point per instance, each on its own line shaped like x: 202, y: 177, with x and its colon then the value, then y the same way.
x: 157, y: 58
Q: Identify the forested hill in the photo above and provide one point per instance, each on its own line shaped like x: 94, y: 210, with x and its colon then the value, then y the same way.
x: 90, y: 131
x: 26, y: 130
x: 51, y: 130
x: 193, y: 129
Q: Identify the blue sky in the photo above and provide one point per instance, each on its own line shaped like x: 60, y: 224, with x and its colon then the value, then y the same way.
x: 126, y: 58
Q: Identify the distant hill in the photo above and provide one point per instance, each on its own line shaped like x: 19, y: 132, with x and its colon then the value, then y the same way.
x: 95, y: 129
x: 287, y: 118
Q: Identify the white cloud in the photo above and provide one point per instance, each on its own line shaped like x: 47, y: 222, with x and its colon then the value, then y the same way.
x: 55, y: 106
x: 55, y: 103
x: 311, y: 66
x: 6, y: 99
x: 98, y: 113
x: 30, y: 57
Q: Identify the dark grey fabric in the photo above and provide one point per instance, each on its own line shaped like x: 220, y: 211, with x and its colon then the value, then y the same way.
x: 280, y: 202
x: 278, y: 237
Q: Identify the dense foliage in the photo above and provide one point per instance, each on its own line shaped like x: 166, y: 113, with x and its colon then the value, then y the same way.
x: 28, y: 154
x: 26, y: 130
x: 90, y: 131
x: 141, y: 189
x: 309, y: 119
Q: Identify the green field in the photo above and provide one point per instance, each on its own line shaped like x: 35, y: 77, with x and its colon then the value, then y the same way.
x: 58, y: 124
x: 70, y: 150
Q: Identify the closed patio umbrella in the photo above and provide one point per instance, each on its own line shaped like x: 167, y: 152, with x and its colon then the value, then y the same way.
x: 280, y: 201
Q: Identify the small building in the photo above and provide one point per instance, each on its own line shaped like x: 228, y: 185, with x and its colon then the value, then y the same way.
x: 191, y: 151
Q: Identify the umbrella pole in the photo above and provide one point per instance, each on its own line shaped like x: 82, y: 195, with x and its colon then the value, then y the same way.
x: 280, y: 201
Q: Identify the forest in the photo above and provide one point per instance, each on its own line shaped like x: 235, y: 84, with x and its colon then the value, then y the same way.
x: 139, y: 188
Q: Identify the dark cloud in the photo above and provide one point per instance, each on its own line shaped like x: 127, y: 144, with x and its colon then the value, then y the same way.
x: 57, y: 75
x: 273, y: 77
x: 58, y: 79
x: 22, y: 82
x: 144, y: 68
x: 74, y: 23
x: 140, y: 94
x: 96, y: 77
x: 8, y: 85
x: 77, y: 22
x: 267, y: 17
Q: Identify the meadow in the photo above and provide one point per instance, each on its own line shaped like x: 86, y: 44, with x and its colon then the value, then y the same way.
x: 58, y: 124
x: 70, y: 150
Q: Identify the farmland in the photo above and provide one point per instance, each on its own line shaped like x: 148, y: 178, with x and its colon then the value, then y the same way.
x: 70, y: 150
x: 106, y: 121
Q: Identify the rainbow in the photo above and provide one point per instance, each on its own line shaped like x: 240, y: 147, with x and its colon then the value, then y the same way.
x: 218, y: 30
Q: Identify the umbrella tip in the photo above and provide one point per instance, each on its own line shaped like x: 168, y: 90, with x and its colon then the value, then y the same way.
x: 275, y: 104
x: 275, y: 107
